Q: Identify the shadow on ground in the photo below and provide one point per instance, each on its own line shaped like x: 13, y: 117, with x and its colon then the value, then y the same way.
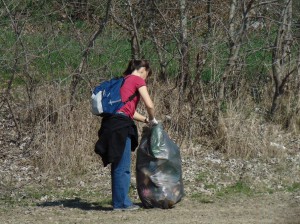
x: 75, y: 203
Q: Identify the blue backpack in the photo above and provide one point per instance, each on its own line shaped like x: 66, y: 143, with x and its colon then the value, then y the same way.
x: 106, y: 97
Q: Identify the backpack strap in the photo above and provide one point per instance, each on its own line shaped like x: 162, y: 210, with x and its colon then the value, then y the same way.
x: 131, y: 97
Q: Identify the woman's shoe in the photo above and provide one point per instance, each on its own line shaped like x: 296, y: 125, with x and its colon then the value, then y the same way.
x: 129, y: 208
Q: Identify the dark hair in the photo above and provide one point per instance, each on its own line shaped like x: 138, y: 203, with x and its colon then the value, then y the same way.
x: 136, y: 65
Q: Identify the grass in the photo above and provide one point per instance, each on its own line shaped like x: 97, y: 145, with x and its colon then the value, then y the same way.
x: 87, y: 198
x: 216, y: 190
x: 53, y: 56
x: 202, y: 198
x: 257, y: 57
x: 238, y: 188
x: 289, y: 187
x: 32, y: 196
x: 294, y: 187
x: 201, y: 177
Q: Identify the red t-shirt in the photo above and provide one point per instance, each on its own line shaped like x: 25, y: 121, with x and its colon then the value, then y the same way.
x: 131, y: 85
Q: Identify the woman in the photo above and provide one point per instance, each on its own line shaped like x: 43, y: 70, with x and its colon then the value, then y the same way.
x: 118, y: 133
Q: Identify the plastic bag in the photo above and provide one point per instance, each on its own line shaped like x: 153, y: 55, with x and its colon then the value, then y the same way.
x: 158, y: 169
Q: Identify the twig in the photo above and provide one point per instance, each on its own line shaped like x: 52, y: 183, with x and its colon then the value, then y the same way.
x: 77, y: 76
x: 14, y: 118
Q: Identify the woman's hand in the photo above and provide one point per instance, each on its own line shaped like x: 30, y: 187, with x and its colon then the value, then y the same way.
x: 138, y: 117
x: 153, y: 122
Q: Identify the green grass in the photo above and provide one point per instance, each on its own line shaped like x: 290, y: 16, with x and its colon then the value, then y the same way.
x: 201, y: 177
x: 55, y: 57
x: 54, y: 53
x: 294, y: 187
x: 32, y: 196
x: 202, y: 198
x: 104, y: 202
x: 238, y: 188
x: 47, y: 58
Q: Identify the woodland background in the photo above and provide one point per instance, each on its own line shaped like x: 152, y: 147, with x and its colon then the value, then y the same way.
x: 226, y: 74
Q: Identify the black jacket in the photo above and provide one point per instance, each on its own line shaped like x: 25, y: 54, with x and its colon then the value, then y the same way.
x: 112, y: 137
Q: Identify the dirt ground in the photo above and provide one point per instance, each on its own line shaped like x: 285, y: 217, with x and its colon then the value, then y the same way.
x: 275, y: 208
x: 88, y: 201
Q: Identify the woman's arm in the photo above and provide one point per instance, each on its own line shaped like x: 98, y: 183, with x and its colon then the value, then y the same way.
x: 138, y: 117
x: 147, y: 101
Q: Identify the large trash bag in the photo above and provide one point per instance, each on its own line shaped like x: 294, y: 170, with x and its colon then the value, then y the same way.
x: 158, y: 169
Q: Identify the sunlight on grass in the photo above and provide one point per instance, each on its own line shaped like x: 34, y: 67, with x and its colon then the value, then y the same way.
x: 238, y: 188
x: 294, y: 187
x: 202, y: 198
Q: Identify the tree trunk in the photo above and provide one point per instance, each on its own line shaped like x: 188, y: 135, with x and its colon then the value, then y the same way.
x: 161, y: 57
x: 233, y: 52
x: 184, y: 54
x: 76, y: 78
x: 236, y: 35
x: 281, y: 55
x: 135, y: 40
x: 237, y: 32
x: 209, y: 23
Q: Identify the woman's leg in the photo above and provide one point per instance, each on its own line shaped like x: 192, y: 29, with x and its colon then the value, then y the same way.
x: 120, y: 174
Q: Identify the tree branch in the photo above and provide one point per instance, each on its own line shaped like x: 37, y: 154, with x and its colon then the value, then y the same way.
x: 118, y: 22
x: 77, y: 76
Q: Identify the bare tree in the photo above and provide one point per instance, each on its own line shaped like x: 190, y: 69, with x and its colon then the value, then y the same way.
x: 161, y: 56
x: 77, y: 75
x: 131, y: 26
x: 236, y: 35
x: 136, y: 48
x: 162, y: 31
x: 209, y: 15
x: 237, y: 30
x: 298, y: 83
x: 184, y: 51
x: 281, y: 57
x: 18, y: 25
